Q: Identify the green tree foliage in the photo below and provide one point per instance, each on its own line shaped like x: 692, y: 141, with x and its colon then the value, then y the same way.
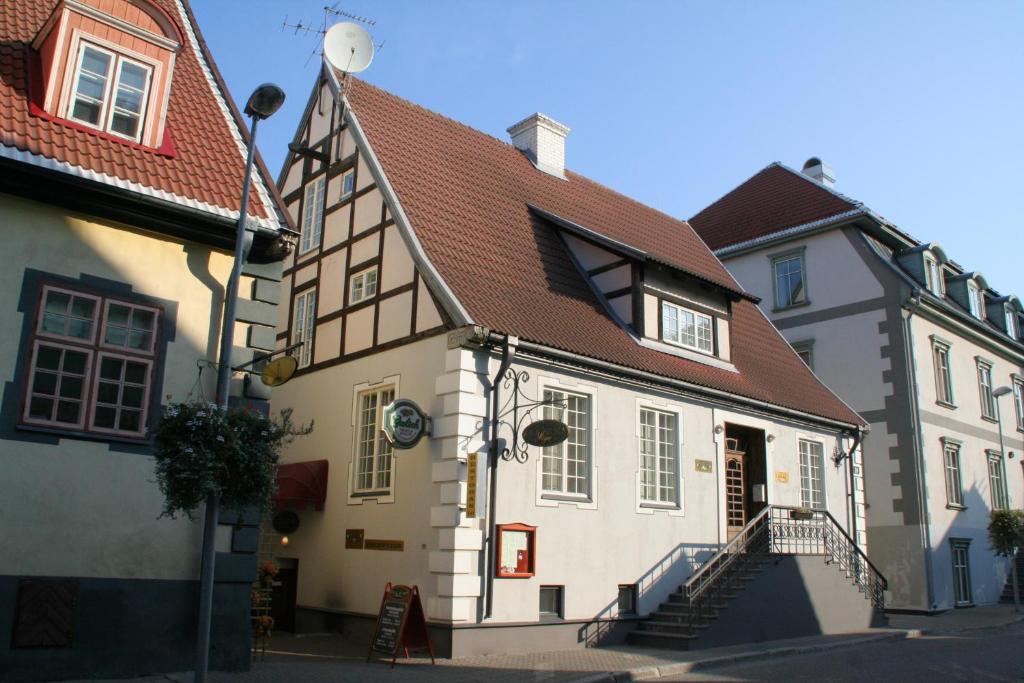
x: 1006, y: 531
x: 202, y: 449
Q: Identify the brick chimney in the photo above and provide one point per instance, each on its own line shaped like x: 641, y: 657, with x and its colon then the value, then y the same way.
x: 818, y: 170
x: 542, y: 139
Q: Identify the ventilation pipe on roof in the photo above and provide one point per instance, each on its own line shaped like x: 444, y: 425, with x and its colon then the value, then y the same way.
x: 542, y: 140
x: 818, y: 170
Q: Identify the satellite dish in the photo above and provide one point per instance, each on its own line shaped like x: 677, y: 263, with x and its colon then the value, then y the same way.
x: 279, y: 371
x: 348, y: 47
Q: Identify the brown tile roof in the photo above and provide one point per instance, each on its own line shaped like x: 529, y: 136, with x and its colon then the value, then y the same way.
x: 774, y: 199
x: 466, y: 195
x: 207, y: 165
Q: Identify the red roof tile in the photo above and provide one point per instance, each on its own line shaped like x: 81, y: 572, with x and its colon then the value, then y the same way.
x: 466, y: 195
x: 774, y: 199
x: 207, y: 165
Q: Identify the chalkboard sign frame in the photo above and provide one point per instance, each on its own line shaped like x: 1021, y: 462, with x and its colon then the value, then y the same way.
x: 410, y: 632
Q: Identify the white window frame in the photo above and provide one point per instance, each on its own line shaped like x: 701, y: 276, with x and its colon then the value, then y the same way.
x: 807, y: 474
x: 361, y: 282
x: 304, y: 324
x: 313, y: 215
x: 1018, y: 402
x: 975, y: 300
x: 348, y: 178
x: 665, y: 495
x: 985, y: 389
x: 943, y: 373
x: 109, y: 91
x: 953, y: 474
x: 1011, y: 321
x: 933, y: 275
x: 997, y: 480
x: 382, y: 478
x: 783, y: 298
x: 559, y: 453
x: 679, y: 312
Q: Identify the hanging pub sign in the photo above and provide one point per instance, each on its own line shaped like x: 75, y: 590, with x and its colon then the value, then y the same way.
x: 401, y: 624
x: 545, y: 433
x: 404, y: 424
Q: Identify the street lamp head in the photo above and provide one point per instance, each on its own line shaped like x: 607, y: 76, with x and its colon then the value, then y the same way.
x: 1002, y: 391
x: 264, y: 101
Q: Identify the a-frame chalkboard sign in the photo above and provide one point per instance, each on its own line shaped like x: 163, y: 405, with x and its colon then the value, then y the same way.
x: 401, y: 624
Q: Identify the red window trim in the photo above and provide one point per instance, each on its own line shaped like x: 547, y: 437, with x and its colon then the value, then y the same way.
x: 94, y: 350
x: 531, y: 547
x: 35, y: 108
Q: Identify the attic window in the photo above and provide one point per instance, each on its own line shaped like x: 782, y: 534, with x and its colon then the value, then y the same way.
x: 684, y: 327
x: 933, y: 275
x: 1011, y: 321
x: 976, y: 300
x: 110, y: 92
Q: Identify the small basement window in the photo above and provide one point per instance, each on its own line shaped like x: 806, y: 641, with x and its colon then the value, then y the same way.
x: 551, y: 606
x: 627, y: 598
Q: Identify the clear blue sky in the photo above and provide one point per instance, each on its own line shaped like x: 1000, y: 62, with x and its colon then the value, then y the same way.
x: 918, y: 106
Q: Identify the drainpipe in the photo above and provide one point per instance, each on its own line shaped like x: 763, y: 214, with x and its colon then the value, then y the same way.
x: 920, y: 463
x: 858, y: 438
x: 508, y: 354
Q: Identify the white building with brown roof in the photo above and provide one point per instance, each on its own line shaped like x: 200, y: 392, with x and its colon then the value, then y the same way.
x: 494, y: 287
x: 925, y: 350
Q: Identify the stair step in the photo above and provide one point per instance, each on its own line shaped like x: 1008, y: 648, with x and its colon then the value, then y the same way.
x: 672, y: 641
x: 679, y: 618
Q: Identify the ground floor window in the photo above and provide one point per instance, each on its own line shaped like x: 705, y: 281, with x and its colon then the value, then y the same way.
x: 373, y: 463
x: 551, y: 602
x: 812, y: 467
x: 658, y: 457
x: 961, y: 571
x: 627, y: 598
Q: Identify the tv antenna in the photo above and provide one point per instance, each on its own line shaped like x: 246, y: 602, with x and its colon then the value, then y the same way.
x: 321, y: 31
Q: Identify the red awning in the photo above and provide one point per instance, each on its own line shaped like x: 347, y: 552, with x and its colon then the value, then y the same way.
x: 300, y: 484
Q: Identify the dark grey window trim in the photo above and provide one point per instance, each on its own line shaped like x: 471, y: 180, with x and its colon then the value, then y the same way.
x: 805, y: 345
x: 940, y: 343
x: 774, y: 258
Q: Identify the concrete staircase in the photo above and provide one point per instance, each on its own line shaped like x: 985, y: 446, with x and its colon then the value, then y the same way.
x: 788, y: 573
x: 1018, y: 565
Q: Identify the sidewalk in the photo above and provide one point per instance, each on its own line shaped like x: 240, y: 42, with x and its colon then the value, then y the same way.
x: 329, y: 658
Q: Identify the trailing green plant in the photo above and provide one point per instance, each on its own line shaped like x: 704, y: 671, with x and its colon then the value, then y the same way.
x: 202, y: 449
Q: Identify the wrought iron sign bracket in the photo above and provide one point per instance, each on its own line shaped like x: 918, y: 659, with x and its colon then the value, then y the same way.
x: 521, y: 408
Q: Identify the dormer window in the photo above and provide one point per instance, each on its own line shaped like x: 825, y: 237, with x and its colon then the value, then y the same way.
x: 976, y: 300
x: 110, y: 92
x: 933, y: 275
x: 1011, y: 321
x: 684, y: 327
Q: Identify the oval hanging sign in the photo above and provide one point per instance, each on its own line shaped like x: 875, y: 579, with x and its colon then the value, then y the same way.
x: 545, y: 433
x: 286, y: 522
x: 404, y: 424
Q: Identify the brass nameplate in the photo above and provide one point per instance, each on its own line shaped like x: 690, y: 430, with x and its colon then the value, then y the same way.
x: 379, y: 544
x: 703, y: 466
x: 782, y: 477
x: 471, y: 485
x: 354, y: 539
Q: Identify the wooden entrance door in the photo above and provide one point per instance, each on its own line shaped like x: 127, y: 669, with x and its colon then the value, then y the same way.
x: 735, y: 490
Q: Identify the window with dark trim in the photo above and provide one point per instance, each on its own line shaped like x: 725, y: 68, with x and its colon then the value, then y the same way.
x: 551, y: 602
x: 997, y: 480
x: 962, y: 593
x: 627, y: 598
x: 954, y: 481
x: 943, y: 374
x: 1018, y: 402
x: 362, y: 285
x: 805, y: 349
x: 91, y: 364
x: 988, y: 400
x: 789, y: 280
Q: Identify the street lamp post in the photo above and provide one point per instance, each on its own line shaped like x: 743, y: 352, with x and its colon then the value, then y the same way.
x: 997, y: 394
x: 263, y: 102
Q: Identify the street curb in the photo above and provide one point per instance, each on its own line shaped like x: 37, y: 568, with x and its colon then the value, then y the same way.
x: 648, y: 672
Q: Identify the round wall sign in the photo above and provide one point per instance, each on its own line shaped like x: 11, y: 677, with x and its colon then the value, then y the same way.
x: 404, y: 423
x: 286, y: 522
x: 545, y: 433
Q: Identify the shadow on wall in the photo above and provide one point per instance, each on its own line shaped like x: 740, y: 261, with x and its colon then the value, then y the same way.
x: 81, y: 511
x: 652, y: 587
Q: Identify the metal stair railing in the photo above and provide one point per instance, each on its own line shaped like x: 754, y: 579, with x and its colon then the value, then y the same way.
x: 782, y: 530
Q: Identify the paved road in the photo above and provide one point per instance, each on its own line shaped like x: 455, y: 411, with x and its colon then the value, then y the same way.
x: 995, y: 654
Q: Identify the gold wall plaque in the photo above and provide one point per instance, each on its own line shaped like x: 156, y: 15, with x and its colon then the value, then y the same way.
x: 782, y: 477
x: 703, y: 466
x: 471, y: 485
x: 380, y: 544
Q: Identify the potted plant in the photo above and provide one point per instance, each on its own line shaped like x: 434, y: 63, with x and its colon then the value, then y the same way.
x: 1006, y: 536
x: 268, y: 572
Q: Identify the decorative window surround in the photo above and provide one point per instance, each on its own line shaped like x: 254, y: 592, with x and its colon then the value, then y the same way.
x: 389, y: 388
x: 812, y: 474
x: 789, y: 279
x: 556, y: 454
x: 954, y: 478
x: 962, y: 591
x: 988, y: 401
x: 109, y: 91
x: 943, y: 372
x: 1018, y: 401
x: 659, y: 458
x: 933, y: 275
x: 91, y: 366
x: 997, y: 480
x: 976, y: 300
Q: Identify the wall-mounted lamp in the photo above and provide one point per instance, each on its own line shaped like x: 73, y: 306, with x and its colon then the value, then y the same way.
x: 719, y: 429
x: 770, y: 438
x: 284, y: 541
x: 1010, y: 455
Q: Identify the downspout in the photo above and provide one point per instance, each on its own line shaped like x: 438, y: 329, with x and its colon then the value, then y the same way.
x: 508, y: 354
x: 858, y: 438
x: 920, y: 462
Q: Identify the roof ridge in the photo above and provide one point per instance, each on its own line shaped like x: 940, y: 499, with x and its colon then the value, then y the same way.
x: 734, y: 188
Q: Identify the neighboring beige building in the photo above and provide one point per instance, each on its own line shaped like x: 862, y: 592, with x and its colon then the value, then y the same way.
x: 469, y: 275
x: 121, y: 163
x: 918, y: 346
